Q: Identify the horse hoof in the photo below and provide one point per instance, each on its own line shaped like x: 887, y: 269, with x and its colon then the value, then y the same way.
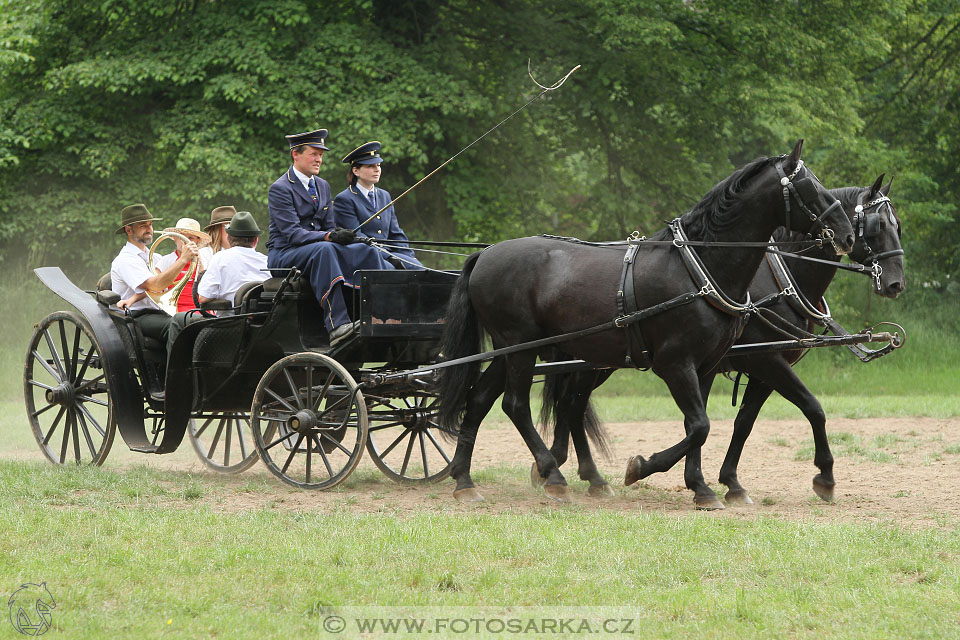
x: 470, y: 494
x: 557, y: 492
x: 634, y: 470
x: 737, y: 497
x: 708, y: 503
x: 601, y: 491
x: 536, y: 480
x: 823, y: 490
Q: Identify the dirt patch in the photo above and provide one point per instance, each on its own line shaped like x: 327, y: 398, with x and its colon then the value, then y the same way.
x: 903, y: 471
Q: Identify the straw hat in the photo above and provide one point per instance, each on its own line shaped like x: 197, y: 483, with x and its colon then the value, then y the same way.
x: 190, y: 228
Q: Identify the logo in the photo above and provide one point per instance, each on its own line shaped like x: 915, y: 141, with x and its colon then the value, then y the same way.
x: 30, y: 607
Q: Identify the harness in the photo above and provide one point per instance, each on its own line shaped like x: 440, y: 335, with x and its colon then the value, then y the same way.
x: 867, y: 225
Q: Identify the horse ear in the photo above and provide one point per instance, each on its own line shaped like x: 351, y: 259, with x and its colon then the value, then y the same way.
x: 875, y: 187
x: 797, y: 150
x: 885, y: 190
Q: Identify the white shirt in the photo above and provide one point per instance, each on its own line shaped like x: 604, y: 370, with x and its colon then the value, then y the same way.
x: 304, y: 179
x: 364, y: 191
x: 163, y: 262
x: 128, y: 271
x: 229, y: 270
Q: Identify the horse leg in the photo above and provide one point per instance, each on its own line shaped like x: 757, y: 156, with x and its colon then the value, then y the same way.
x: 754, y: 397
x: 482, y: 396
x: 692, y: 465
x: 516, y: 404
x: 785, y: 381
x: 685, y: 388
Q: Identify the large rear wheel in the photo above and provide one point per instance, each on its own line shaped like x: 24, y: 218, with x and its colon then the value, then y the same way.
x: 66, y: 391
x: 309, y: 421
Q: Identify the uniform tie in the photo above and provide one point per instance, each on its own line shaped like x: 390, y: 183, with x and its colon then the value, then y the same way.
x: 373, y: 201
x: 312, y: 190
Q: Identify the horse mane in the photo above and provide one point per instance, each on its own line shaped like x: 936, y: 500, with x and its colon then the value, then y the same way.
x: 716, y: 211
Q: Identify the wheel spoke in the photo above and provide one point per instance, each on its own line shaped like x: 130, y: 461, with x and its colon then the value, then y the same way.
x: 86, y: 363
x: 293, y: 452
x: 93, y: 421
x: 406, y: 457
x: 286, y: 404
x: 243, y: 445
x: 437, y: 446
x: 66, y: 350
x: 226, y: 448
x: 404, y: 434
x: 283, y: 437
x: 309, y: 444
x: 386, y: 425
x: 86, y: 436
x: 423, y: 454
x: 49, y: 406
x: 199, y: 432
x: 76, y: 354
x: 216, y: 439
x: 55, y: 355
x: 102, y: 403
x: 323, y: 456
x: 323, y: 392
x: 43, y: 363
x: 87, y: 384
x: 76, y: 437
x: 336, y: 405
x: 336, y: 443
x: 309, y: 399
x: 66, y: 437
x: 293, y: 388
x: 41, y: 385
x: 53, y: 427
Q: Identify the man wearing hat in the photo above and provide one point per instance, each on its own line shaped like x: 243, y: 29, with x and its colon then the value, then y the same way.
x: 355, y: 206
x: 232, y: 268
x: 130, y: 274
x: 303, y: 233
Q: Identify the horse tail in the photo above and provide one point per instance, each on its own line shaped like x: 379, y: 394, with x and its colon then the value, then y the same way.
x: 556, y: 387
x: 462, y: 336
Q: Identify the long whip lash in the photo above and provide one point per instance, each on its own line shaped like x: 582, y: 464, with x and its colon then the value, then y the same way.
x: 544, y: 89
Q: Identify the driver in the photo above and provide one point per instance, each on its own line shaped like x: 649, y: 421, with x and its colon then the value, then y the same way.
x: 303, y: 234
x: 131, y: 275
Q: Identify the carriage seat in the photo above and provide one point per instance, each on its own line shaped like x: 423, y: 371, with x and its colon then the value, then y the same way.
x: 107, y: 297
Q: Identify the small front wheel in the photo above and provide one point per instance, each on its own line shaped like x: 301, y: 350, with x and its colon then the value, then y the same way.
x: 223, y: 441
x: 309, y: 421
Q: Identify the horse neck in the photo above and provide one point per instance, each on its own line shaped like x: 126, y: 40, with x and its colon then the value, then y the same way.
x: 733, y: 268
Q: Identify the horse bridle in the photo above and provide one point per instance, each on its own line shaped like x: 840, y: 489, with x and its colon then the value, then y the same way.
x: 867, y: 225
x: 791, y: 193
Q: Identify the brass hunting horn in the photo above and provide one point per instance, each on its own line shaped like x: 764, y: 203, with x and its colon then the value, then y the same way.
x: 167, y: 300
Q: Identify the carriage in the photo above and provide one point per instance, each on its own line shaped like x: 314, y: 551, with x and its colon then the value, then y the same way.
x: 260, y: 384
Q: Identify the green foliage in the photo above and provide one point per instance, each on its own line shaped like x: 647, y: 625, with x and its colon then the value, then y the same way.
x: 183, y: 105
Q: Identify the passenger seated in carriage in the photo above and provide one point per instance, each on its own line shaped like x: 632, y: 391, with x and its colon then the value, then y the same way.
x: 303, y: 234
x: 232, y: 268
x: 355, y: 206
x: 130, y: 274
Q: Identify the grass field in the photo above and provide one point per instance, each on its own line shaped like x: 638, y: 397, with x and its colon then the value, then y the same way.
x: 144, y: 554
x: 134, y: 552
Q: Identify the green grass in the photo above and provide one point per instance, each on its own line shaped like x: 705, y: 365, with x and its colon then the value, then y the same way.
x: 131, y: 555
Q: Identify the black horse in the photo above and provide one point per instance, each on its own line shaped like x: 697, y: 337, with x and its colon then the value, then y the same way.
x: 566, y: 396
x: 534, y: 288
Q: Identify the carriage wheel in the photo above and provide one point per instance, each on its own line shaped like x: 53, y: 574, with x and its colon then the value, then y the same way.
x: 66, y: 391
x: 224, y: 441
x: 404, y: 440
x: 309, y: 421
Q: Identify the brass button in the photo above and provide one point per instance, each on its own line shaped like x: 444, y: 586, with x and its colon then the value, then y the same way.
x: 378, y: 231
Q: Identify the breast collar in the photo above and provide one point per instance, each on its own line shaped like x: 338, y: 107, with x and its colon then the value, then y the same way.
x: 702, y: 278
x: 795, y: 298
